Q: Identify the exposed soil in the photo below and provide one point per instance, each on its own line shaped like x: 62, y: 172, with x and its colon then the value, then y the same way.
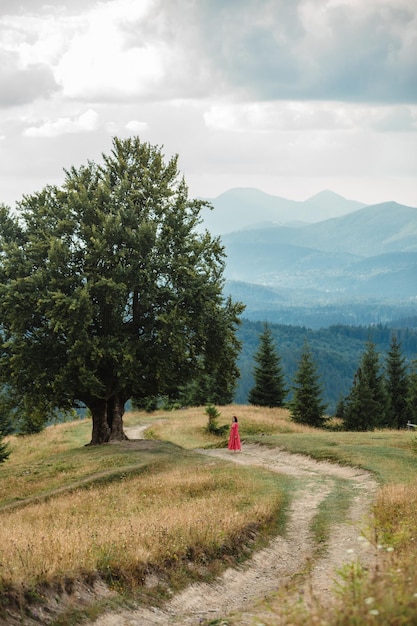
x: 285, y: 560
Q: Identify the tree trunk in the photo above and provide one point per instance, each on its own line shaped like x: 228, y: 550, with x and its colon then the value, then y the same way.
x: 115, y: 412
x: 107, y: 416
x: 101, y: 429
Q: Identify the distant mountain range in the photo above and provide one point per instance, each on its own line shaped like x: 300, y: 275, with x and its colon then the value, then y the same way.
x: 241, y: 208
x: 285, y: 255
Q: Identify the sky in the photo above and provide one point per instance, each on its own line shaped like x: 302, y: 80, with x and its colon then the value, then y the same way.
x: 289, y: 96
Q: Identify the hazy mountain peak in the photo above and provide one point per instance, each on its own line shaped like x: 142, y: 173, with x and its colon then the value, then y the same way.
x: 247, y: 194
x: 325, y: 195
x: 333, y: 203
x: 243, y: 207
x: 239, y: 191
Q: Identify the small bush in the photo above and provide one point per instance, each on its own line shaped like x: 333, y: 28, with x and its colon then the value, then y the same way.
x: 212, y: 425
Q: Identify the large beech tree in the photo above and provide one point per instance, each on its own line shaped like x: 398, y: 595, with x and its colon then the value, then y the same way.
x: 109, y: 290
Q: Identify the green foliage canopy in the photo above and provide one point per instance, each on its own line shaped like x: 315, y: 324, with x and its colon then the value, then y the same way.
x: 109, y: 292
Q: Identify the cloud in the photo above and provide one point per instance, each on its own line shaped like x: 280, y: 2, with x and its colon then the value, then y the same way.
x: 101, y: 63
x: 278, y: 116
x: 136, y: 127
x: 83, y: 123
x: 23, y: 85
x: 88, y: 54
x: 257, y: 50
x: 400, y: 119
x: 252, y: 92
x: 30, y: 7
x: 313, y: 50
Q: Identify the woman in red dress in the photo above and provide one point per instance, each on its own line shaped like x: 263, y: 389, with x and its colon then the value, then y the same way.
x: 234, y: 438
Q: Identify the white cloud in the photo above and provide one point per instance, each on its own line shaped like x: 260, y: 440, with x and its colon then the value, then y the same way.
x: 136, y: 127
x: 83, y: 123
x: 100, y: 64
x: 394, y: 119
x: 309, y: 116
x: 89, y: 54
x: 222, y: 117
x: 93, y: 70
x: 278, y: 116
x: 37, y: 39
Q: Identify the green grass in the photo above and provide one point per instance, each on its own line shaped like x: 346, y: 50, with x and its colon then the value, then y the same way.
x: 389, y: 455
x: 330, y: 511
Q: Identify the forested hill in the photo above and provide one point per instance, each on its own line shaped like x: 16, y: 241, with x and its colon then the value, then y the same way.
x: 337, y: 351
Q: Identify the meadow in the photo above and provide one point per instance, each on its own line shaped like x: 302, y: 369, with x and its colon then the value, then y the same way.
x: 155, y: 509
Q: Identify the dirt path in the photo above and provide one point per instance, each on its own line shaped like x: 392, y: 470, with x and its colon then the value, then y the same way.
x: 239, y: 590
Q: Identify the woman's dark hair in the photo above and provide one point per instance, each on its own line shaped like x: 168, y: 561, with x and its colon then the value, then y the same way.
x: 234, y: 418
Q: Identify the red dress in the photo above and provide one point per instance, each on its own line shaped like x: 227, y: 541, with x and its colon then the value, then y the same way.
x: 234, y: 438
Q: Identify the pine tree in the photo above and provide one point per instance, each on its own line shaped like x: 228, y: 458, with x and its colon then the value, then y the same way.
x: 412, y: 393
x: 306, y: 405
x: 396, y: 384
x: 365, y: 404
x: 269, y: 389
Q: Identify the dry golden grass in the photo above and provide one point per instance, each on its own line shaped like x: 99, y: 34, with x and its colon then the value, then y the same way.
x: 389, y: 595
x: 144, y: 520
x: 59, y: 457
x: 38, y: 462
x: 186, y: 428
x: 396, y: 512
x: 184, y: 505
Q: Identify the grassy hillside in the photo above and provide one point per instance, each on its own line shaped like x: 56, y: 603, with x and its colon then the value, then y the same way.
x: 124, y: 512
x: 120, y: 513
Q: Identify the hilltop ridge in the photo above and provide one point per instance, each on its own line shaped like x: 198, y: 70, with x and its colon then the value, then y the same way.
x: 356, y: 256
x: 243, y: 207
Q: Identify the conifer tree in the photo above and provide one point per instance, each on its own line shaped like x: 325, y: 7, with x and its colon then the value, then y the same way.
x: 269, y: 389
x: 396, y: 384
x: 306, y: 405
x: 412, y: 393
x: 365, y: 404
